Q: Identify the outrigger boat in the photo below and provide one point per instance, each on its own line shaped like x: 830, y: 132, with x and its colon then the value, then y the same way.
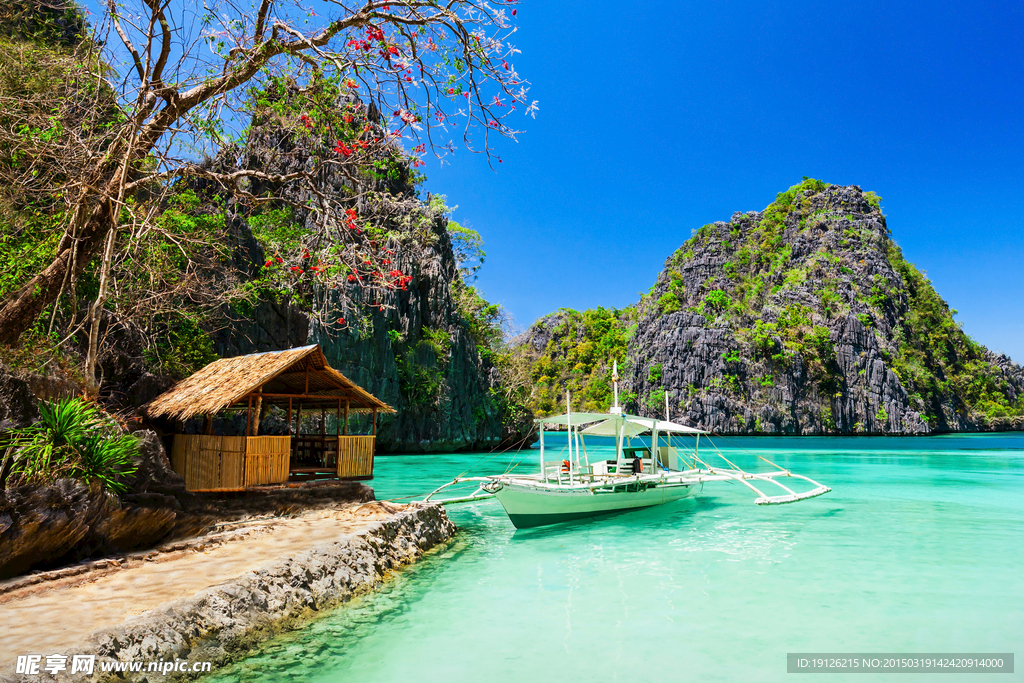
x: 574, y: 487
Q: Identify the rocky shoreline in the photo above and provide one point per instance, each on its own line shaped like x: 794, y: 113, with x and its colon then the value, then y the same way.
x: 223, y: 622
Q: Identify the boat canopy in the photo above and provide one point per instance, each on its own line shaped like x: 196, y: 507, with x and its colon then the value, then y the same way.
x: 608, y: 424
x: 664, y: 426
x: 612, y: 426
x: 573, y: 419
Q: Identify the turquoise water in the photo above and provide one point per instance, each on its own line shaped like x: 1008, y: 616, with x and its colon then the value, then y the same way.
x: 919, y: 548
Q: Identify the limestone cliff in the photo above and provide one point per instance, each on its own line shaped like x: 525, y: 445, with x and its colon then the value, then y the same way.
x: 803, y: 318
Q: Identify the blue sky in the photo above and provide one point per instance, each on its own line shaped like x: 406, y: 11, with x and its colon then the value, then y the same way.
x: 659, y: 117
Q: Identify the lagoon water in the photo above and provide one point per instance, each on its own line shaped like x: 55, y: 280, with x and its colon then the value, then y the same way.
x: 919, y: 548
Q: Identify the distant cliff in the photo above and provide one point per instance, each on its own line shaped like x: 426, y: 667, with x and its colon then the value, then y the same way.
x: 803, y: 318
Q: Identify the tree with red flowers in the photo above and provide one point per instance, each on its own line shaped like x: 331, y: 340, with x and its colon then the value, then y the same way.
x: 185, y: 82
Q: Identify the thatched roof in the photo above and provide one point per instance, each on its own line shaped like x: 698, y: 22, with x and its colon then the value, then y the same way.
x: 301, y: 372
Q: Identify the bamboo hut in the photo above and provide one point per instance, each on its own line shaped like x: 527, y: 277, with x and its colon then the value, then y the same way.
x: 297, y: 380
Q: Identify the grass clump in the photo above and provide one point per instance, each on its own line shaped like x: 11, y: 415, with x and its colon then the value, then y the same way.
x: 72, y: 439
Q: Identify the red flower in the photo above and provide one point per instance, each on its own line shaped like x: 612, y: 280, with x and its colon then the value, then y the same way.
x: 341, y: 321
x: 269, y: 263
x: 351, y: 278
x: 296, y: 269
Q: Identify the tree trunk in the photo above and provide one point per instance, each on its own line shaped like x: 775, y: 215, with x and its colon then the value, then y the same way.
x: 96, y: 316
x: 21, y: 308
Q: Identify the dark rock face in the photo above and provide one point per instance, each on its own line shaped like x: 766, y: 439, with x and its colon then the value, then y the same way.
x: 794, y: 322
x: 43, y: 526
x: 462, y: 414
x: 17, y: 403
x: 67, y: 521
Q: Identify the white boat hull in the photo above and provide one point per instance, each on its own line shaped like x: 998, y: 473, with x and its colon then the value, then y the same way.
x: 530, y: 506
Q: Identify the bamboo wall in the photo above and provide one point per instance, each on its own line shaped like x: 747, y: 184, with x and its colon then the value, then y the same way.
x: 355, y: 457
x: 210, y: 463
x: 267, y: 459
x: 230, y: 462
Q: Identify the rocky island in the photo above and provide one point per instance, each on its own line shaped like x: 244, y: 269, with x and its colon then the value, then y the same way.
x: 803, y: 318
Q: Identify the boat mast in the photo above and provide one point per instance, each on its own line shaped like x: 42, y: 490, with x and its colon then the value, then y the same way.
x: 543, y: 477
x: 668, y: 435
x: 568, y: 420
x: 616, y: 410
x: 615, y: 387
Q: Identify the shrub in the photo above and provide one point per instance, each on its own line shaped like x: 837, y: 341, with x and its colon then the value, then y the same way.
x: 656, y: 401
x: 763, y: 338
x: 71, y: 439
x: 668, y: 303
x: 732, y: 356
x: 716, y: 299
x: 654, y: 374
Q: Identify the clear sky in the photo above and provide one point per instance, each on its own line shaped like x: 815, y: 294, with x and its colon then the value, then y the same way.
x: 657, y: 118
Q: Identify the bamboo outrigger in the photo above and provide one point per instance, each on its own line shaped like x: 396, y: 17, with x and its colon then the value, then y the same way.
x: 296, y: 380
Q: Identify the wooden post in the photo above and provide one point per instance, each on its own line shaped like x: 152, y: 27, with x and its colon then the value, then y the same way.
x: 307, y: 379
x: 259, y: 412
x: 337, y: 420
x: 374, y: 422
x: 248, y: 416
x: 289, y: 415
x: 344, y: 430
x: 208, y: 425
x: 323, y: 421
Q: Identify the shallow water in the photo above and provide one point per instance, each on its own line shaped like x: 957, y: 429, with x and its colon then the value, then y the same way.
x: 919, y: 548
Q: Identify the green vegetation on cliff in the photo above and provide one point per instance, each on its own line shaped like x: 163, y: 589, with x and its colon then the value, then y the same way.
x: 938, y: 359
x: 578, y: 356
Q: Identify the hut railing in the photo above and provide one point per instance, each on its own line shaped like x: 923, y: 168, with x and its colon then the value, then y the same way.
x: 355, y: 457
x: 219, y: 463
x: 266, y: 459
x: 209, y: 462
